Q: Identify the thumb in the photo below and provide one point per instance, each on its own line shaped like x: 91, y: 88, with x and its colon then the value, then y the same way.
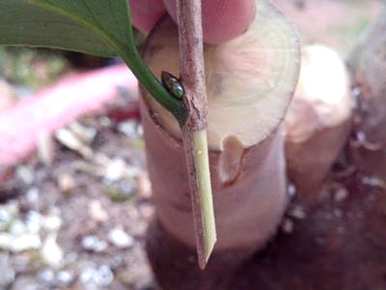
x: 222, y: 19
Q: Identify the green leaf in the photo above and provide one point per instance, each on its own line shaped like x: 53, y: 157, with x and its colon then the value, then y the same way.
x: 107, y: 19
x: 99, y: 27
x: 25, y: 24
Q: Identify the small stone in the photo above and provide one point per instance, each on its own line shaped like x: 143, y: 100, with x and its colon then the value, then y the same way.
x: 341, y: 194
x: 45, y: 148
x: 33, y: 222
x: 116, y: 170
x: 374, y: 181
x: 26, y: 174
x: 288, y: 226
x: 25, y: 242
x: 144, y: 186
x: 122, y: 191
x: 291, y: 189
x: 128, y: 128
x: 94, y: 244
x: 12, y: 208
x: 66, y: 183
x: 7, y: 273
x: 140, y: 130
x: 5, y: 219
x: 298, y: 213
x: 32, y: 196
x: 105, y: 122
x: 65, y: 278
x: 47, y: 276
x: 104, y: 276
x: 51, y: 252
x: 86, y: 134
x: 97, y: 212
x: 119, y: 238
x: 5, y: 241
x: 26, y: 283
x: 52, y: 223
x: 101, y: 276
x: 87, y: 275
x: 17, y: 228
x: 68, y: 139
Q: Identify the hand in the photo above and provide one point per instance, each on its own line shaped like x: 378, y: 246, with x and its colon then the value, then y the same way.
x: 222, y: 19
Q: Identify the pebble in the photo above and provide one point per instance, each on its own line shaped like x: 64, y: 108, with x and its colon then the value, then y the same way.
x: 17, y: 228
x: 288, y: 226
x: 5, y: 219
x: 291, y: 189
x: 52, y: 222
x: 65, y: 278
x: 12, y: 208
x: 144, y: 186
x: 19, y: 240
x: 115, y: 170
x: 45, y: 148
x: 341, y: 194
x: 32, y: 196
x: 33, y: 222
x: 26, y: 174
x: 374, y: 181
x: 119, y: 238
x: 129, y: 128
x: 51, y: 252
x: 47, y: 276
x: 298, y: 213
x: 94, y: 244
x: 103, y: 276
x: 26, y: 283
x: 7, y: 274
x: 86, y: 134
x: 105, y: 122
x: 66, y: 182
x: 100, y: 276
x: 25, y: 242
x: 122, y: 191
x: 97, y: 212
x: 68, y: 139
x: 5, y: 241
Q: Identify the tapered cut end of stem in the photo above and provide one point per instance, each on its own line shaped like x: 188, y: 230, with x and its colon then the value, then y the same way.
x: 195, y: 141
x: 203, y: 207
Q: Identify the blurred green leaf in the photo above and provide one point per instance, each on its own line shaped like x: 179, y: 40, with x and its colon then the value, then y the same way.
x: 97, y: 27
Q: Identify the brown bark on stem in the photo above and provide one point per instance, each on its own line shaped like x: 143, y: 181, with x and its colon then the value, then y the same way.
x: 194, y: 130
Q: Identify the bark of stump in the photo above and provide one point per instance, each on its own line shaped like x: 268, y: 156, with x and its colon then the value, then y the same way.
x: 368, y: 67
x: 319, y: 119
x: 250, y: 82
x: 248, y: 210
